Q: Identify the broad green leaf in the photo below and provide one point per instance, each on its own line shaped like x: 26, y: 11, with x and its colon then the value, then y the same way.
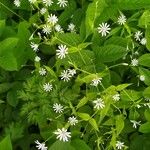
x: 12, y: 98
x: 119, y: 124
x: 58, y: 145
x: 93, y: 123
x: 144, y: 21
x: 82, y: 102
x: 122, y: 86
x: 144, y: 60
x: 4, y: 87
x: 145, y: 128
x: 146, y: 92
x: 5, y: 144
x: 79, y: 144
x: 7, y: 59
x: 147, y: 35
x: 147, y: 115
x: 93, y: 11
x: 84, y: 116
x: 109, y: 53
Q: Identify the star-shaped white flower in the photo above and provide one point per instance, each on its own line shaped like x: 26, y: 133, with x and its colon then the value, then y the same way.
x: 43, y: 11
x: 34, y: 46
x: 42, y: 71
x: 99, y: 103
x: 116, y: 97
x: 58, y: 108
x: 40, y: 146
x: 135, y: 123
x: 104, y: 29
x: 65, y: 75
x: 47, y: 2
x: 62, y: 51
x: 52, y: 19
x: 62, y: 134
x: 32, y: 1
x: 96, y: 81
x: 134, y: 62
x: 122, y: 19
x: 71, y: 27
x: 62, y: 3
x: 17, y: 3
x: 47, y: 29
x: 72, y: 72
x: 119, y: 145
x: 138, y: 35
x: 47, y: 87
x: 58, y: 28
x: 37, y: 59
x: 72, y: 120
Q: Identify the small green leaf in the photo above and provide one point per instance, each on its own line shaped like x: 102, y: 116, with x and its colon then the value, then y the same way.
x: 93, y: 124
x: 119, y: 124
x: 84, y: 116
x: 144, y: 60
x: 5, y: 144
x: 145, y: 128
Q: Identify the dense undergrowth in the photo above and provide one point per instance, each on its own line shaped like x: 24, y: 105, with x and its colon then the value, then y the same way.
x: 74, y: 74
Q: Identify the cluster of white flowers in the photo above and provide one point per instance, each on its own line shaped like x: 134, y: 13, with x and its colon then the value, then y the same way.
x: 99, y: 103
x: 138, y: 37
x: 119, y: 145
x: 62, y: 51
x: 122, y: 19
x: 96, y: 81
x: 116, y: 97
x: 47, y: 87
x: 67, y: 74
x: 40, y: 146
x: 62, y: 134
x: 135, y: 123
x: 58, y: 108
x: 104, y: 29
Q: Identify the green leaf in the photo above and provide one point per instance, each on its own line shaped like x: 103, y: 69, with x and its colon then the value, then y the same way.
x: 147, y: 115
x: 4, y: 87
x: 109, y: 53
x: 93, y: 123
x: 122, y: 86
x: 119, y: 124
x: 146, y: 92
x: 12, y: 98
x: 84, y: 116
x: 5, y: 144
x: 147, y: 35
x: 2, y: 26
x: 79, y: 145
x: 94, y: 10
x: 144, y: 60
x: 58, y: 145
x: 145, y: 128
x: 7, y: 58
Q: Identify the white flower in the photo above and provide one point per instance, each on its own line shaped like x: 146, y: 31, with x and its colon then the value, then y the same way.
x: 32, y: 1
x: 119, y: 145
x: 142, y: 77
x: 47, y: 29
x: 58, y: 28
x: 65, y: 75
x: 43, y: 11
x: 37, y: 59
x: 134, y: 62
x: 34, y: 46
x: 122, y: 20
x: 99, y: 103
x: 103, y: 29
x: 47, y: 2
x: 40, y: 146
x: 62, y: 51
x: 47, y: 87
x: 72, y: 72
x: 72, y: 120
x: 71, y: 27
x: 116, y: 97
x: 95, y: 82
x: 52, y: 19
x: 138, y: 106
x: 147, y: 104
x: 42, y: 71
x: 62, y: 3
x: 17, y: 3
x: 135, y: 123
x: 62, y: 134
x: 138, y: 35
x: 58, y: 108
x: 143, y: 41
